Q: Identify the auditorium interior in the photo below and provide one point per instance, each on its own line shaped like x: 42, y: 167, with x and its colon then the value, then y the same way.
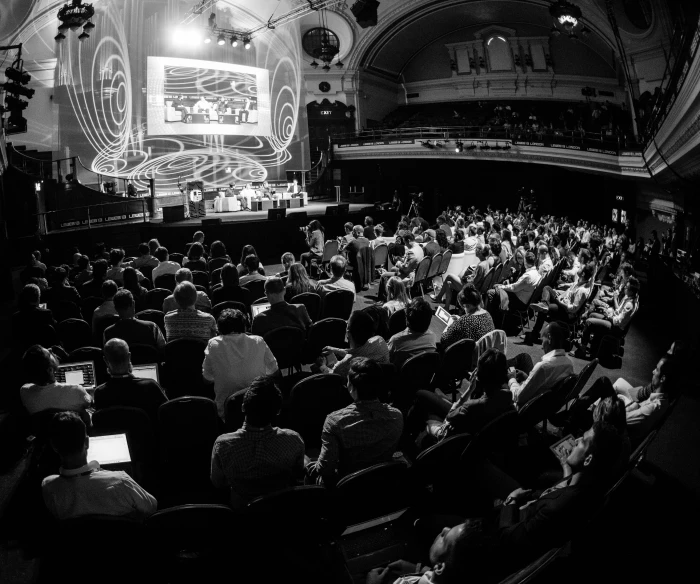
x: 532, y: 163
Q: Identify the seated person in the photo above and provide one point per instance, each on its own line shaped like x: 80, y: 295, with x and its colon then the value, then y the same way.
x: 82, y: 488
x: 472, y: 275
x: 230, y: 288
x: 405, y: 267
x: 442, y: 418
x: 109, y: 290
x: 280, y: 313
x: 252, y: 265
x: 233, y: 359
x: 644, y: 406
x: 61, y: 290
x: 187, y: 322
x: 185, y: 275
x: 83, y: 271
x: 337, y: 281
x: 363, y: 343
x: 129, y: 328
x: 474, y: 324
x: 196, y: 258
x: 365, y: 433
x: 347, y: 238
x: 554, y: 366
x: 459, y: 554
x: 258, y: 458
x: 29, y: 317
x: 145, y: 258
x: 396, y: 296
x: 430, y: 246
x: 562, y: 305
x: 123, y: 389
x: 165, y: 266
x: 298, y: 282
x: 415, y: 338
x: 287, y: 260
x: 611, y: 321
x: 93, y: 286
x: 519, y: 292
x: 116, y: 270
x: 43, y: 392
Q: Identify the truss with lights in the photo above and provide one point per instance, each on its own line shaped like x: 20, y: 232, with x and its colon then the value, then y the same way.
x: 74, y: 16
x: 567, y: 19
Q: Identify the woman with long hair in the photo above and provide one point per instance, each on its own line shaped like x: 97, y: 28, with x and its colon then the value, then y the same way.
x: 396, y: 296
x: 218, y: 250
x: 245, y: 252
x: 298, y: 282
x: 315, y: 242
x: 131, y: 283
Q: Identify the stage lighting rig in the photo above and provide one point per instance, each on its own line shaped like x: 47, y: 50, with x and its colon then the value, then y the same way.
x: 234, y: 41
x: 246, y: 43
x: 221, y: 39
x: 15, y: 88
x: 459, y: 147
x: 73, y: 16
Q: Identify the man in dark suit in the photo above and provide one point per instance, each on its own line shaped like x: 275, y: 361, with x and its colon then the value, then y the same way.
x: 528, y: 522
x: 280, y: 313
x: 359, y: 258
x: 123, y: 389
x: 131, y: 329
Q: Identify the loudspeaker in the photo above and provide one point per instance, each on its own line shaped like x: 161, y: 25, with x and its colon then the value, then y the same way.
x: 301, y: 217
x: 172, y: 214
x: 211, y: 222
x: 332, y: 210
x: 365, y: 12
x: 276, y: 214
x: 343, y: 208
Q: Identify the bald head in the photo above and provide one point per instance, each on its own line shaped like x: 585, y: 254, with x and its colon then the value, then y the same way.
x: 117, y: 357
x: 358, y: 230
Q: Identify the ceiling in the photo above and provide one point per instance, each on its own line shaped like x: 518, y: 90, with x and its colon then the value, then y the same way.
x: 406, y: 27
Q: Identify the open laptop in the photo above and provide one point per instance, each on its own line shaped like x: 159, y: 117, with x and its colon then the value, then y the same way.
x: 148, y: 371
x: 81, y: 373
x: 258, y: 308
x: 111, y: 450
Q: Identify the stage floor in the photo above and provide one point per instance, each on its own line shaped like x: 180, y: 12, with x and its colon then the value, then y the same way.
x: 313, y: 209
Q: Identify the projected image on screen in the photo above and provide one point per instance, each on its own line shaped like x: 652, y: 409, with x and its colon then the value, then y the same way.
x: 186, y: 96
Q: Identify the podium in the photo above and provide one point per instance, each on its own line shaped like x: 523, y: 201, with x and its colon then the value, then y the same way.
x: 197, y: 209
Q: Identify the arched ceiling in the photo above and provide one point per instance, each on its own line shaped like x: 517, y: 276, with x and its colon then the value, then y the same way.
x: 406, y: 27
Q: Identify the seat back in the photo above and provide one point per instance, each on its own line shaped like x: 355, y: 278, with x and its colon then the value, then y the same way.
x: 537, y: 410
x: 330, y: 249
x: 457, y: 359
x: 488, y: 280
x: 582, y: 380
x: 144, y: 354
x: 65, y: 309
x: 311, y: 400
x: 256, y: 288
x: 219, y: 308
x: 439, y: 465
x: 497, y: 437
x: 233, y: 411
x: 74, y: 333
x: 287, y: 345
x: 187, y: 428
x: 422, y: 270
x: 325, y: 332
x: 444, y: 263
x: 165, y: 281
x: 537, y: 292
x: 338, y: 304
x: 88, y: 306
x: 455, y: 265
x: 183, y: 367
x: 153, y: 315
x: 496, y: 339
x: 397, y: 322
x: 435, y: 264
x: 311, y: 301
x: 381, y: 253
x: 216, y: 264
x: 100, y: 325
x: 197, y: 266
x: 374, y: 492
x: 155, y: 298
x: 416, y: 373
x: 176, y: 257
x: 200, y: 279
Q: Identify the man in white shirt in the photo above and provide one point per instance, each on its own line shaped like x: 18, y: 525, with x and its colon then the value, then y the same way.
x: 82, y: 488
x: 202, y: 106
x: 338, y: 266
x: 545, y: 264
x: 233, y: 359
x: 520, y: 291
x: 165, y: 266
x: 554, y: 366
x: 203, y: 302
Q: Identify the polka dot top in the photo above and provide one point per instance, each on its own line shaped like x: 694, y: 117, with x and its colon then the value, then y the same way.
x: 469, y: 326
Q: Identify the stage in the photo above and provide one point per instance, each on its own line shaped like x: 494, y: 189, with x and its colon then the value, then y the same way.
x: 313, y: 209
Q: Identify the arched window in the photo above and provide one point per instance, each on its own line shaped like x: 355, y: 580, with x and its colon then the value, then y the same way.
x: 499, y: 54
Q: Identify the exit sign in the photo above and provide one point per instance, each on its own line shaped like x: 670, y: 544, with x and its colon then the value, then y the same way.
x: 326, y: 112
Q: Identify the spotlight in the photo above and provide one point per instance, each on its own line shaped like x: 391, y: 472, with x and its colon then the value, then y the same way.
x: 63, y: 27
x: 221, y: 39
x: 17, y: 75
x: 88, y: 26
x: 234, y: 41
x: 246, y: 43
x: 313, y: 64
x: 16, y: 89
x: 82, y: 36
x: 207, y: 40
x: 59, y: 37
x: 75, y: 26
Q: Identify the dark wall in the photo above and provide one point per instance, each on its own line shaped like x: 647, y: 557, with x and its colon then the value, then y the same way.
x: 467, y: 182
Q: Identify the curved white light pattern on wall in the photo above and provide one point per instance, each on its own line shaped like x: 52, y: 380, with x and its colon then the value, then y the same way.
x: 104, y: 108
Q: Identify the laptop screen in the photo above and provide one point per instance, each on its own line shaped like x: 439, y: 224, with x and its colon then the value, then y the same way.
x: 149, y: 371
x: 112, y: 449
x: 443, y: 315
x: 82, y: 373
x: 258, y: 308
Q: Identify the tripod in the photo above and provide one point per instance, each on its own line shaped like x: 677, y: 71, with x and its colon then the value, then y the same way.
x: 414, y: 209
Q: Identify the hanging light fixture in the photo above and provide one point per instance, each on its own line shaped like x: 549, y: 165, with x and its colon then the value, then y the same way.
x: 221, y: 39
x: 567, y: 19
x: 313, y: 64
x: 234, y: 41
x: 73, y: 16
x: 246, y: 43
x: 322, y: 44
x: 83, y: 36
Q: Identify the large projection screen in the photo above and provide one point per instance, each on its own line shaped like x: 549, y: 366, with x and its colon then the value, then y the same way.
x: 192, y: 97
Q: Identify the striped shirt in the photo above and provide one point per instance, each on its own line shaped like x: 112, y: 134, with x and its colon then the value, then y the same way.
x: 189, y: 323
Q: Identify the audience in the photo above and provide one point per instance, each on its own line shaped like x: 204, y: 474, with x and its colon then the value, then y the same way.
x: 280, y: 313
x: 233, y: 359
x: 337, y: 281
x: 122, y: 388
x: 230, y: 289
x: 415, y: 338
x: 396, y: 296
x: 165, y: 266
x: 187, y: 322
x: 195, y: 258
x: 287, y: 261
x: 185, y: 275
x: 131, y: 329
x: 315, y: 242
x: 298, y: 282
x: 109, y: 289
x: 82, y: 488
x: 475, y: 323
x: 518, y: 293
x: 131, y: 283
x: 93, y: 287
x: 30, y: 317
x: 83, y: 271
x: 145, y: 258
x: 258, y: 458
x: 405, y: 267
x: 365, y: 433
x: 248, y: 250
x: 116, y: 272
x: 61, y: 290
x: 252, y: 273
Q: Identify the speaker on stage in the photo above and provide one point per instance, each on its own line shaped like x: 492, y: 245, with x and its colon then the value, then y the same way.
x: 365, y: 12
x: 172, y: 214
x: 276, y: 214
x: 216, y: 221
